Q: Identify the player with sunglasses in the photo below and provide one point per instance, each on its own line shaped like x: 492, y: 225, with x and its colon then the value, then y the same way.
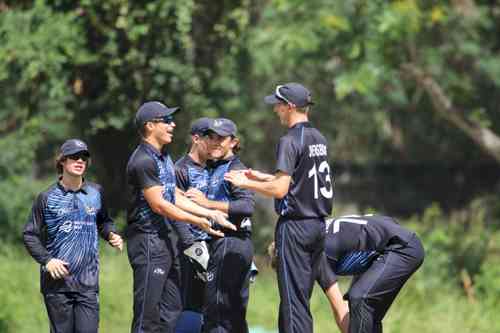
x: 154, y: 202
x: 62, y: 236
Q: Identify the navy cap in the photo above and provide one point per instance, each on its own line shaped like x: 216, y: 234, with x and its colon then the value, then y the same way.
x: 200, y: 125
x: 152, y: 110
x: 292, y: 93
x: 73, y: 146
x: 223, y: 127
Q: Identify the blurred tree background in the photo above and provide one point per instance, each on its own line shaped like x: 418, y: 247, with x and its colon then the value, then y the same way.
x: 407, y: 93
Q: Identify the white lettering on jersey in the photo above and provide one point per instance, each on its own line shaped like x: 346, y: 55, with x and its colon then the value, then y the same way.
x: 336, y: 223
x: 317, y: 150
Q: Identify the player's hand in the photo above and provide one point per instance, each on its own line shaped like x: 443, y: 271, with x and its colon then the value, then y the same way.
x: 207, y: 226
x: 237, y: 177
x: 197, y: 196
x: 115, y: 240
x: 57, y: 268
x: 221, y: 219
x: 257, y: 175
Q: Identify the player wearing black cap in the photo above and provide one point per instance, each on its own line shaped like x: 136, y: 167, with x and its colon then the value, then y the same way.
x: 62, y: 236
x: 380, y: 254
x: 303, y: 191
x: 154, y: 201
x: 229, y: 268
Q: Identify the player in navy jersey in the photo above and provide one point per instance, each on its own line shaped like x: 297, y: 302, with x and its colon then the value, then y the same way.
x: 303, y: 192
x: 229, y: 268
x: 191, y: 172
x: 154, y: 202
x: 380, y: 254
x: 62, y: 236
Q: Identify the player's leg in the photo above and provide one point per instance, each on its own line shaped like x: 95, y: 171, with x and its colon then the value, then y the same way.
x: 60, y: 311
x: 227, y: 285
x: 372, y: 294
x: 151, y: 261
x: 86, y: 312
x: 171, y: 298
x: 299, y: 245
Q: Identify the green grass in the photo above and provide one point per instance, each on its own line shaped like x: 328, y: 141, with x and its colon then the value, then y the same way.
x: 419, y: 308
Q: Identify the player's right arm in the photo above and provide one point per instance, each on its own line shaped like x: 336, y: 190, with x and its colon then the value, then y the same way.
x: 32, y: 237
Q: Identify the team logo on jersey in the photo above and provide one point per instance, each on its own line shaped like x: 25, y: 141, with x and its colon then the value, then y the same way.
x: 67, y: 226
x: 210, y: 276
x: 90, y: 210
x: 63, y: 211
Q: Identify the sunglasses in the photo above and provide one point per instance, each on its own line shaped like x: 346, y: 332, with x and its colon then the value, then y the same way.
x: 75, y: 157
x: 280, y: 96
x: 166, y: 119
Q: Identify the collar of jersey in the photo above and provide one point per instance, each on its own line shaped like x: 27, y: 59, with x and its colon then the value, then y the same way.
x: 153, y: 150
x: 82, y: 188
x: 301, y: 124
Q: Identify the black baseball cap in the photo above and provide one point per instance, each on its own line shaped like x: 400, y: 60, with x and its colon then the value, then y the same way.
x: 200, y: 126
x: 223, y: 127
x: 152, y: 110
x: 290, y: 93
x: 73, y: 146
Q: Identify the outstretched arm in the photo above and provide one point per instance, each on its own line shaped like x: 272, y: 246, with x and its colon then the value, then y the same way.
x: 276, y: 187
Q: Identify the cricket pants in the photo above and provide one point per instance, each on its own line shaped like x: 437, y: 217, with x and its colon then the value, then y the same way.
x: 157, y: 296
x: 73, y: 312
x: 299, y: 245
x: 227, y: 291
x: 372, y: 293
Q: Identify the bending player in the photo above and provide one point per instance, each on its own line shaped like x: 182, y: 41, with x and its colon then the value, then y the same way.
x: 381, y: 256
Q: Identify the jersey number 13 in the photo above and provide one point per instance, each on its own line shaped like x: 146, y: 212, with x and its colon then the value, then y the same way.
x: 322, y: 170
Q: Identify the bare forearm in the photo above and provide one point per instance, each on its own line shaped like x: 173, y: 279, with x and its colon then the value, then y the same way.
x: 191, y: 207
x: 218, y: 205
x: 172, y: 212
x: 267, y: 188
x: 339, y: 307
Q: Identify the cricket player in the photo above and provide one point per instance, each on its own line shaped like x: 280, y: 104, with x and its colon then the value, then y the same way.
x: 381, y: 256
x: 303, y: 192
x: 62, y: 236
x: 154, y: 201
x: 230, y: 263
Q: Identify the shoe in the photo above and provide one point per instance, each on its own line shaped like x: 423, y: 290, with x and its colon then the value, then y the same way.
x: 198, y: 255
x: 254, y: 271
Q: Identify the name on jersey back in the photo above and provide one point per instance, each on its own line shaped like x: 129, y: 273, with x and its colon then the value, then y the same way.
x: 317, y: 150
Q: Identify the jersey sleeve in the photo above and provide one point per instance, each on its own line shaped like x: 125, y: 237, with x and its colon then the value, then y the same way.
x: 181, y: 176
x: 144, y: 174
x: 105, y: 224
x: 287, y: 155
x: 34, y: 232
x: 326, y: 275
x: 243, y: 202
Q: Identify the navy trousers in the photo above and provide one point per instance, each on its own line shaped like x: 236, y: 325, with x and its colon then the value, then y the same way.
x: 157, y: 295
x: 227, y: 290
x: 299, y: 247
x: 73, y: 312
x: 372, y: 293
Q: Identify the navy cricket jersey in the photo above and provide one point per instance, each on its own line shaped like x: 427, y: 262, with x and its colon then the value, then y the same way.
x: 188, y: 174
x: 355, y: 240
x: 148, y: 167
x: 303, y: 155
x: 241, y: 201
x: 64, y: 225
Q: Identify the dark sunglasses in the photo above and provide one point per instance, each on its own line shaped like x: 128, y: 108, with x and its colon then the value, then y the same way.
x: 165, y: 119
x: 75, y: 157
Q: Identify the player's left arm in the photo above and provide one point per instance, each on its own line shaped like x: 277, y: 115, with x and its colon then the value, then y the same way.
x: 106, y: 226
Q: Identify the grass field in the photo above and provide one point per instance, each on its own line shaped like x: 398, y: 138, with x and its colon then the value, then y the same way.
x: 420, y: 308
